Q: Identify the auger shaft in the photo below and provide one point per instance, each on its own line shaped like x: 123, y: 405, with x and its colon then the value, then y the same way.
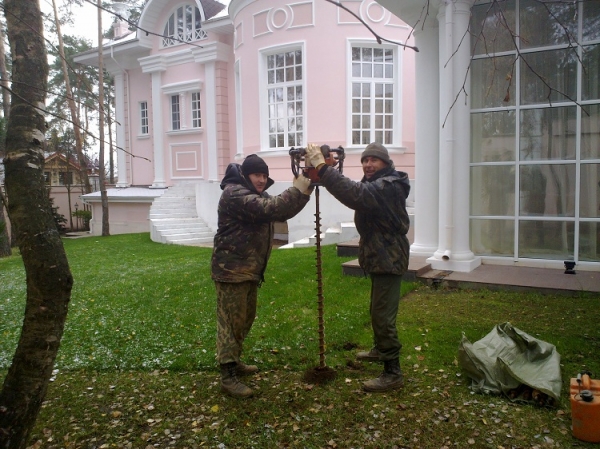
x: 319, y: 282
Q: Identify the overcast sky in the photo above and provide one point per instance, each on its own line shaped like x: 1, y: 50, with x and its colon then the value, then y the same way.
x: 86, y: 19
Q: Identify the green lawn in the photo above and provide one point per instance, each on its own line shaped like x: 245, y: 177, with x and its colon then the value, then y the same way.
x: 137, y: 363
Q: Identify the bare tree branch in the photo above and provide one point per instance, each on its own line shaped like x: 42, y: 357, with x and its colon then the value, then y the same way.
x: 377, y: 36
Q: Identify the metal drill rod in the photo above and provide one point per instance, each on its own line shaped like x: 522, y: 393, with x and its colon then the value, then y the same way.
x: 319, y: 282
x: 333, y: 158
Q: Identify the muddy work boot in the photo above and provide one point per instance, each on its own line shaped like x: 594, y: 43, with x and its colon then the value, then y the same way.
x: 230, y: 383
x: 390, y: 379
x: 368, y: 356
x: 245, y: 370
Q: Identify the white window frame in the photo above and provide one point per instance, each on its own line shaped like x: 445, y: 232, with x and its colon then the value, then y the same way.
x: 191, y: 27
x: 265, y: 116
x: 176, y: 113
x: 184, y: 94
x: 144, y: 118
x: 196, y: 110
x: 517, y: 163
x: 394, y: 81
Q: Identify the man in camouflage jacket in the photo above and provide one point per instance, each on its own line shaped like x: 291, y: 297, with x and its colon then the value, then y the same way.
x: 242, y: 246
x: 381, y: 219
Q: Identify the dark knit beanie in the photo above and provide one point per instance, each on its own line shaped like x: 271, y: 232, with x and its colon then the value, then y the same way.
x: 377, y: 150
x: 254, y: 164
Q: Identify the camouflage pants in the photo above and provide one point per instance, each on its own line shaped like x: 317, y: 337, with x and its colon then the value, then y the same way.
x: 385, y: 299
x: 236, y: 310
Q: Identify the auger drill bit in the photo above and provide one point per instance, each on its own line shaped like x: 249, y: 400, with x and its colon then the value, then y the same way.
x: 319, y: 282
x: 333, y: 158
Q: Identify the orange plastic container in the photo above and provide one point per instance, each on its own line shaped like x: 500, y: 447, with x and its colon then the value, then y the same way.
x: 585, y: 408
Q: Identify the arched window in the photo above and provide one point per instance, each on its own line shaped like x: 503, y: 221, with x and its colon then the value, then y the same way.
x: 184, y: 25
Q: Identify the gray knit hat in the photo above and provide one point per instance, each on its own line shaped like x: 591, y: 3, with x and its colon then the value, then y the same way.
x: 254, y: 164
x: 376, y: 150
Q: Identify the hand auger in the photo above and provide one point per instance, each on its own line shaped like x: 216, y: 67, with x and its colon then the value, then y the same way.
x: 333, y: 158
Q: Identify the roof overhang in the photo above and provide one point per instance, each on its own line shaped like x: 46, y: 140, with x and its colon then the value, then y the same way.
x: 412, y: 12
x: 123, y: 54
x: 125, y: 195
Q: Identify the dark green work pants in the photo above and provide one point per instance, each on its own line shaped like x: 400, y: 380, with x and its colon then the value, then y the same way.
x: 236, y: 311
x: 385, y: 297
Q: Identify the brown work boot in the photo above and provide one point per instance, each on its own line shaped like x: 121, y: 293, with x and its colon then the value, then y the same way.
x: 245, y: 370
x: 368, y: 356
x: 230, y: 383
x: 390, y: 379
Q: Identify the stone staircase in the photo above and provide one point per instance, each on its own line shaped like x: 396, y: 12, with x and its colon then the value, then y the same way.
x: 344, y: 235
x: 174, y: 220
x: 340, y: 233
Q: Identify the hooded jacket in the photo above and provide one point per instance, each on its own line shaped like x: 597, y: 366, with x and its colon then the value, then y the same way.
x: 242, y: 244
x: 380, y: 216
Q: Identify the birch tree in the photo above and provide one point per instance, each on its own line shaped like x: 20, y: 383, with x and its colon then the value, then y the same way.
x: 48, y: 276
x: 5, y: 246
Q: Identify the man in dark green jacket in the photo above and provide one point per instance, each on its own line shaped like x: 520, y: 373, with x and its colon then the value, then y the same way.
x: 381, y: 219
x: 242, y: 247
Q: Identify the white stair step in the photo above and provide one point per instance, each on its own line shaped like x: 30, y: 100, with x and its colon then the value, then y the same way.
x: 180, y: 226
x: 173, y: 218
x: 173, y: 214
x: 184, y: 231
x: 191, y: 241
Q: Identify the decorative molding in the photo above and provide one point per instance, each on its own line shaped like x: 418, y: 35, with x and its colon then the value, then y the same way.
x: 164, y: 61
x: 260, y: 23
x: 352, y: 5
x: 280, y: 17
x: 154, y: 63
x: 238, y: 35
x: 373, y: 12
x: 296, y: 7
x: 215, y: 51
x: 376, y: 16
x: 193, y: 147
x: 185, y: 86
x: 194, y: 160
x: 180, y: 132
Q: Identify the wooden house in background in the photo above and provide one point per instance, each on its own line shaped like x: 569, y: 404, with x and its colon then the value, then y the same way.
x: 63, y: 178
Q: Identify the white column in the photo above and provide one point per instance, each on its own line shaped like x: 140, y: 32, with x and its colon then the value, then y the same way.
x: 461, y: 249
x: 426, y: 141
x: 123, y: 173
x: 239, y: 133
x: 453, y: 251
x: 211, y: 119
x: 444, y: 172
x: 157, y: 132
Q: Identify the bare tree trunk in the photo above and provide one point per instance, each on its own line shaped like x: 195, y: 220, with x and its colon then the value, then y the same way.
x: 48, y: 277
x: 5, y: 243
x: 5, y: 249
x: 102, y: 171
x: 72, y: 107
x: 68, y: 185
x: 4, y: 76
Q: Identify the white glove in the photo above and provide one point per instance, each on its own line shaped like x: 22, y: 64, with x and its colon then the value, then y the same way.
x: 313, y: 156
x: 302, y: 183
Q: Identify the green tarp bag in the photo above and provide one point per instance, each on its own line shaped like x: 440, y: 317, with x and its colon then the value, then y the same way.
x: 507, y: 358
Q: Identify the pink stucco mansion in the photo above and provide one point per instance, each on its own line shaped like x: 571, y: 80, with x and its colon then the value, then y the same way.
x: 504, y: 170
